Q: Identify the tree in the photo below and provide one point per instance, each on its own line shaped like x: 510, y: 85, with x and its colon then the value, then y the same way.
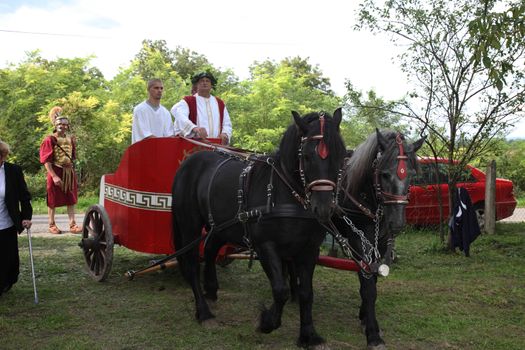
x: 261, y: 108
x: 174, y: 68
x: 187, y: 62
x: 29, y: 90
x: 364, y: 116
x: 510, y: 162
x: 129, y: 86
x: 469, y: 87
x: 101, y: 140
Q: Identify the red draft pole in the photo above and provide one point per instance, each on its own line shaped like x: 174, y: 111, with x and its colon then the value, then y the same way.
x: 338, y: 263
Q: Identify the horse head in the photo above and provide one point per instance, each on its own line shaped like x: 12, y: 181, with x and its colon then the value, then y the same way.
x: 316, y: 156
x: 395, y: 163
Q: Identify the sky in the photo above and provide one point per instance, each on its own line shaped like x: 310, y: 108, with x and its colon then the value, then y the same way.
x: 230, y: 33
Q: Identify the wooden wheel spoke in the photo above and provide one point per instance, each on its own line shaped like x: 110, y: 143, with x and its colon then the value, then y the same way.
x: 93, y: 217
x: 91, y: 231
x: 102, y: 256
x: 97, y: 264
x: 100, y: 227
x: 92, y: 263
x: 102, y: 235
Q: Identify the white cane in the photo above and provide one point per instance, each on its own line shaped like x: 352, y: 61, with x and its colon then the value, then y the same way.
x: 32, y: 265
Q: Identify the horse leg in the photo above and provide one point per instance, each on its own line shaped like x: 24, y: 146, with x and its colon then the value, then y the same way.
x: 211, y: 284
x: 289, y: 270
x: 190, y: 266
x: 308, y: 337
x: 270, y: 319
x: 367, y: 312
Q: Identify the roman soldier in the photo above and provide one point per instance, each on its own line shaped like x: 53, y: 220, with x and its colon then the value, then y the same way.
x: 57, y: 153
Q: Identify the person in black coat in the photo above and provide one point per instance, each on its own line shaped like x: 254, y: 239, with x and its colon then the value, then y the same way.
x: 15, y: 215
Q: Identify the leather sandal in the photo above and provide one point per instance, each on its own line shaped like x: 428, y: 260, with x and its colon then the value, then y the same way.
x: 74, y: 228
x: 54, y: 229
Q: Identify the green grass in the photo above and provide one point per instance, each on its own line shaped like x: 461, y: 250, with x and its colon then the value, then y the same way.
x: 433, y: 299
x: 521, y: 201
x: 84, y: 202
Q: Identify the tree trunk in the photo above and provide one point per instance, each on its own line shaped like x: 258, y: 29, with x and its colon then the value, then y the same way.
x: 490, y: 198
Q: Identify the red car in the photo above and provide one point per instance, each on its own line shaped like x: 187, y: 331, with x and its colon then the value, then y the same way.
x: 423, y: 208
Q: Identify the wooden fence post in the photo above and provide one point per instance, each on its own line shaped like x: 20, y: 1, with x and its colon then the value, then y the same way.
x: 490, y: 198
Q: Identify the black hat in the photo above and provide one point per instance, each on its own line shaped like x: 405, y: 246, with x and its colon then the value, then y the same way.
x: 201, y: 75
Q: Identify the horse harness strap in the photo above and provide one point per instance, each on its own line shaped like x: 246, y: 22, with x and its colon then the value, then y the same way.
x: 210, y: 215
x: 243, y: 215
x: 361, y: 207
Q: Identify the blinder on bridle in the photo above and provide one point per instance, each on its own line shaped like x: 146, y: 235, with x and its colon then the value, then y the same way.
x: 388, y: 198
x: 319, y: 185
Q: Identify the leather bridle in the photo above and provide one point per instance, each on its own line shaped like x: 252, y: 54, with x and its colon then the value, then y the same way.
x: 388, y: 198
x: 319, y: 185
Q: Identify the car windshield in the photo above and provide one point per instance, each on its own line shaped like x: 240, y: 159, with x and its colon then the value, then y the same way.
x: 426, y: 174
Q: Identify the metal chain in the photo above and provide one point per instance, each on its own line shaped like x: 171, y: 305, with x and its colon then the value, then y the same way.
x: 342, y: 241
x: 367, y: 251
x: 377, y: 220
x: 339, y: 184
x: 301, y: 171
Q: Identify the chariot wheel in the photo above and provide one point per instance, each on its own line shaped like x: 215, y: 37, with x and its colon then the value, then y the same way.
x: 97, y: 242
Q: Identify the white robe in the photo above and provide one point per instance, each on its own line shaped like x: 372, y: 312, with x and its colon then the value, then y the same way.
x: 208, y: 117
x: 150, y: 122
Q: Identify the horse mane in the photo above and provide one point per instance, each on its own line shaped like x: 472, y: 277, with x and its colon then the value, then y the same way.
x: 359, y: 170
x: 287, y: 153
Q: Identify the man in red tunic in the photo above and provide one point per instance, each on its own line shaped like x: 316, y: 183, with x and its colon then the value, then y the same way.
x: 202, y: 115
x: 57, y: 153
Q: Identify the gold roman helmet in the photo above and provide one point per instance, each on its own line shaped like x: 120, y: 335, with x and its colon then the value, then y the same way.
x: 56, y: 117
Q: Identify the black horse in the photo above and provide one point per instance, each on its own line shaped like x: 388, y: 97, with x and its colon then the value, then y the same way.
x: 373, y: 200
x: 269, y: 204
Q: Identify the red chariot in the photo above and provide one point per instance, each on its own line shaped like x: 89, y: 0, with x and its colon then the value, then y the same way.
x: 134, y: 208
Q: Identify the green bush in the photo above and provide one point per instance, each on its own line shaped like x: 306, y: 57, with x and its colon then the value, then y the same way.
x: 36, y: 183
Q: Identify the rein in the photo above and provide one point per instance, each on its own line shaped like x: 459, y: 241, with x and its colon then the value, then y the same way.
x: 319, y: 185
x: 245, y: 155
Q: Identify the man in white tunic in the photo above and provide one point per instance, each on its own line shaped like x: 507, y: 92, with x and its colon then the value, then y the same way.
x: 202, y: 115
x: 150, y: 118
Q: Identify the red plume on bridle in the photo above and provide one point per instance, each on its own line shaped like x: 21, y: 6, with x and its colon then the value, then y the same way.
x: 401, y: 166
x: 322, y: 149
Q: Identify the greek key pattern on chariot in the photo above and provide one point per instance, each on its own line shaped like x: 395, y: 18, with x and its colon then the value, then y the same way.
x: 138, y: 199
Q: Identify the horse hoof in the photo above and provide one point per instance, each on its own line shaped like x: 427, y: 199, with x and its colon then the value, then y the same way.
x: 363, y: 330
x: 210, y: 323
x: 377, y: 347
x: 212, y: 304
